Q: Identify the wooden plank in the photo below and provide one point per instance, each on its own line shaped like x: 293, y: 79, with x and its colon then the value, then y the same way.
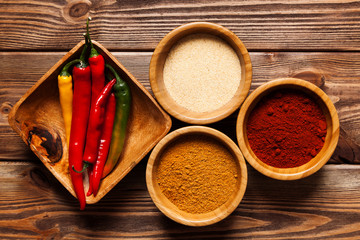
x: 325, y: 205
x: 337, y: 74
x: 140, y: 25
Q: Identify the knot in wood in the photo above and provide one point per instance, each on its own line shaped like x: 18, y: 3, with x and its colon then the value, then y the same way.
x: 76, y: 10
x: 5, y: 109
x: 79, y: 9
x: 46, y: 142
x: 314, y: 76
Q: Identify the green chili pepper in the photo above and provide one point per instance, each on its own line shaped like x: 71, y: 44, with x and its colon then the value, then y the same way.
x: 122, y: 111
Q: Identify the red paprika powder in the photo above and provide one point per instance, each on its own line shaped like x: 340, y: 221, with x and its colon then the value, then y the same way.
x: 286, y: 128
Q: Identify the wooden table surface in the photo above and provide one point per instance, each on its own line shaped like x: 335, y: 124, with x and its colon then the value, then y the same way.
x: 315, y: 40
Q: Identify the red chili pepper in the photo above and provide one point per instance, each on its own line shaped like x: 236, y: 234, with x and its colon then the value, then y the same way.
x: 97, y: 66
x: 90, y: 173
x: 96, y: 121
x: 104, y: 143
x: 80, y: 116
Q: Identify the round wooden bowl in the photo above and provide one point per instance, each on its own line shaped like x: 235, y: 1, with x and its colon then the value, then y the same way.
x: 157, y: 65
x: 331, y: 138
x: 172, y: 211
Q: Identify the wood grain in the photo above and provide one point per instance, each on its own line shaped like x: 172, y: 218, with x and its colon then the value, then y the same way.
x: 324, y: 205
x: 337, y: 74
x: 140, y: 25
x: 314, y: 40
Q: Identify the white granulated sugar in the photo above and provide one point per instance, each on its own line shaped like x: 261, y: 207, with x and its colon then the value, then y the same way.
x: 202, y: 72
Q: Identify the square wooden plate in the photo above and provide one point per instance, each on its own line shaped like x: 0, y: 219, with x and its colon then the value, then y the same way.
x: 37, y: 118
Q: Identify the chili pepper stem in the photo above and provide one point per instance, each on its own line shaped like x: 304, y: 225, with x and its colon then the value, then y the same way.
x: 93, y: 51
x: 82, y: 62
x: 65, y: 70
x: 86, y: 165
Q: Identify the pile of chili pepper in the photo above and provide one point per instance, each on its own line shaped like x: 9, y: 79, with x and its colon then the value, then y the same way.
x: 95, y: 113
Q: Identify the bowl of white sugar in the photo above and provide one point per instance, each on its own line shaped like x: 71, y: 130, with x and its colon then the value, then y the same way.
x: 200, y: 72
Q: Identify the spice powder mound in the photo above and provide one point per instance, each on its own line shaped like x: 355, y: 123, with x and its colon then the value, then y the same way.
x: 286, y: 129
x: 202, y: 72
x: 197, y: 174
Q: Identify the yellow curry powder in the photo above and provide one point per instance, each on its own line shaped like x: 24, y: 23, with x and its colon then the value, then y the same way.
x: 197, y: 174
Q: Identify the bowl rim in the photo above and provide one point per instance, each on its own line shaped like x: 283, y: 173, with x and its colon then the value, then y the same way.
x: 164, y: 98
x: 203, y: 219
x: 296, y: 172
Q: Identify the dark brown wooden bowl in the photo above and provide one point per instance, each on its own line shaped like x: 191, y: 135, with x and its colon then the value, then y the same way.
x: 37, y: 118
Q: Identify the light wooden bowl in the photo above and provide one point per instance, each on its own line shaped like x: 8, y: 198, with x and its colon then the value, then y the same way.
x: 37, y: 118
x: 157, y: 64
x: 331, y: 138
x: 172, y: 211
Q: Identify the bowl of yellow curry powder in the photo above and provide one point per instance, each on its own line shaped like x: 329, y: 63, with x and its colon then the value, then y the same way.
x: 196, y: 176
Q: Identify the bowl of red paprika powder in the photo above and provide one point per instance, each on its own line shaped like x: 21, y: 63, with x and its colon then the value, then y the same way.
x: 287, y: 129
